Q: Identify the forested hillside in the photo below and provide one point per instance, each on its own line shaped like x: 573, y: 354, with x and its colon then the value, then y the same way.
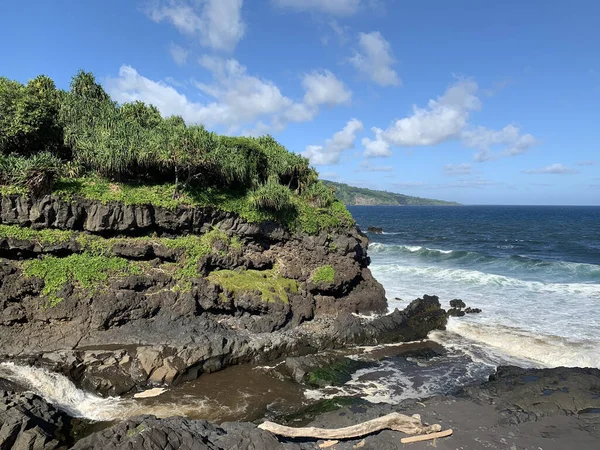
x: 351, y: 195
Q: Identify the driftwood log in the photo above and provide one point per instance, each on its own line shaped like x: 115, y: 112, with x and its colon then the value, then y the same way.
x: 426, y: 437
x: 393, y: 421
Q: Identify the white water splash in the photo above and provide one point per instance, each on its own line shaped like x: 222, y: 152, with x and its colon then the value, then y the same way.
x: 60, y: 391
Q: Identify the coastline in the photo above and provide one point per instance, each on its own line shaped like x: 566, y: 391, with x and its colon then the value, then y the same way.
x: 182, y: 342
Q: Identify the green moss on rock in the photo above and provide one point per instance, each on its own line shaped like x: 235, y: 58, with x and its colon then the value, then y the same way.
x: 324, y: 274
x: 269, y: 283
x: 85, y: 270
x: 42, y: 237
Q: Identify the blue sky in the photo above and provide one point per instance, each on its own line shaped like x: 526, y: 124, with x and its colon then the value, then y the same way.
x: 474, y: 101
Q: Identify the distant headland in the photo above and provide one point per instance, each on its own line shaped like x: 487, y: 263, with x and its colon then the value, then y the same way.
x: 352, y: 195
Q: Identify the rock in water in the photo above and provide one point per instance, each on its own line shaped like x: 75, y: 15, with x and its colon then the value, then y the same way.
x: 455, y: 312
x: 375, y: 230
x: 457, y: 303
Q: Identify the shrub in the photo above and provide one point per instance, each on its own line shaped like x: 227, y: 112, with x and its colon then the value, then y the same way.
x: 36, y: 173
x: 272, y: 197
x: 29, y: 116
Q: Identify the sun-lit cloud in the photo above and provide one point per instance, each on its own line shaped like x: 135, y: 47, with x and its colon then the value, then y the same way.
x: 217, y: 24
x: 448, y: 118
x: 510, y: 140
x: 374, y: 59
x: 331, y: 151
x: 236, y: 99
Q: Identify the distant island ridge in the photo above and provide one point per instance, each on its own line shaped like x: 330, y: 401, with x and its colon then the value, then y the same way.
x: 356, y: 196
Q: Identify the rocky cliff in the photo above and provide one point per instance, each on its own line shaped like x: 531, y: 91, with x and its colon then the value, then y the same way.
x: 121, y: 296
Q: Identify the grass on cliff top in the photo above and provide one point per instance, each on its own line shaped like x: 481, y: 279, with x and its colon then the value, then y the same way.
x: 269, y: 283
x: 86, y: 270
x: 324, y: 274
x: 305, y: 217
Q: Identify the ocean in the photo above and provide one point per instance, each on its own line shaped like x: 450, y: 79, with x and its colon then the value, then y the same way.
x: 533, y: 270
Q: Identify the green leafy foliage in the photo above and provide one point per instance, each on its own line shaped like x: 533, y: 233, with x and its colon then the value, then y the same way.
x: 99, y: 149
x: 29, y: 116
x: 87, y: 271
x: 324, y: 274
x: 268, y: 283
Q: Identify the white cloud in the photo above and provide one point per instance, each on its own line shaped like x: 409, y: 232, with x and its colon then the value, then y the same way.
x: 331, y: 151
x: 554, y: 169
x: 237, y: 100
x: 448, y: 118
x: 179, y: 54
x: 458, y: 169
x: 510, y: 138
x: 443, y: 119
x: 333, y: 7
x: 378, y: 146
x: 217, y: 24
x: 374, y: 59
x: 324, y: 88
x: 241, y: 98
x: 366, y: 166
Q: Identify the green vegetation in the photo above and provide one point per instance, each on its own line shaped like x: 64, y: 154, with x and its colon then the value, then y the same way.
x: 97, y: 253
x: 43, y: 237
x: 81, y: 143
x: 197, y: 247
x: 351, y: 195
x: 85, y: 270
x: 269, y: 283
x: 324, y: 274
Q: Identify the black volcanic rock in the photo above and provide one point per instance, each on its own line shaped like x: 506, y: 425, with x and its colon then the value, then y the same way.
x: 375, y: 230
x: 457, y: 303
x: 29, y: 422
